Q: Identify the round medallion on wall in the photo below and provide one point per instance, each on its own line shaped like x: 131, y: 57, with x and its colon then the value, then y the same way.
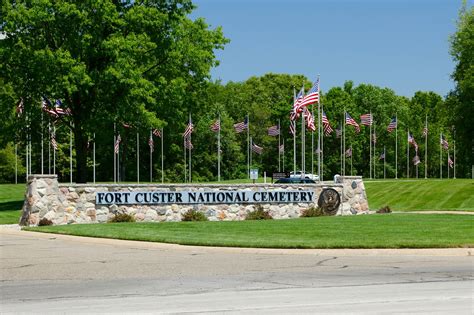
x: 329, y: 201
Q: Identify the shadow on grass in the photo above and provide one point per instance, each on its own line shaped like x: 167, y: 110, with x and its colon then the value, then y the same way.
x: 11, y: 205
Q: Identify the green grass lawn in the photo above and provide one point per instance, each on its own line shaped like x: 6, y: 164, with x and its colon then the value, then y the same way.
x: 417, y: 195
x: 11, y: 201
x: 366, y: 231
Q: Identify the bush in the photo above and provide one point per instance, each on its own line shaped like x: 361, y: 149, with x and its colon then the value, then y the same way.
x: 312, y: 212
x: 194, y: 215
x: 385, y: 209
x: 258, y: 214
x: 45, y: 222
x: 122, y: 217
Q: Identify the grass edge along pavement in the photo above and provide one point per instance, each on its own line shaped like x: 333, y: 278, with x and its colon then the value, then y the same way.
x: 365, y: 231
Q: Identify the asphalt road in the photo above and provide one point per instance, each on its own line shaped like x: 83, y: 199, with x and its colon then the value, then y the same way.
x: 44, y: 273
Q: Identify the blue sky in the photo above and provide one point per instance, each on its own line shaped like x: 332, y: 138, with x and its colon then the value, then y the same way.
x: 400, y: 44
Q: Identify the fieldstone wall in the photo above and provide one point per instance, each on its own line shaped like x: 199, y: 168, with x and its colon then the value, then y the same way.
x: 45, y: 199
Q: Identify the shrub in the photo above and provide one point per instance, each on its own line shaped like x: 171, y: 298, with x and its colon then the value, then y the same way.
x: 194, y: 215
x: 258, y: 214
x: 122, y: 217
x: 385, y: 209
x: 312, y: 212
x: 44, y: 222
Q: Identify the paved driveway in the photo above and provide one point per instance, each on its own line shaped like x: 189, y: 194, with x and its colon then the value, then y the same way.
x: 44, y: 273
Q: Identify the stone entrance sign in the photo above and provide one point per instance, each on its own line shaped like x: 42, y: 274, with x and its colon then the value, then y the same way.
x: 89, y: 203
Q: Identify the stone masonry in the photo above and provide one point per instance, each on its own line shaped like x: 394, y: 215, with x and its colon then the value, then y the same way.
x: 69, y: 204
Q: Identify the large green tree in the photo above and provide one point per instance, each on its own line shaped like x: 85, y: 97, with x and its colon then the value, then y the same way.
x: 108, y: 61
x: 461, y: 100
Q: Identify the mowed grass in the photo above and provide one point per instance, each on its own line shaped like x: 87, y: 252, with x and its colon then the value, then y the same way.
x: 419, y: 195
x: 366, y: 231
x: 11, y: 201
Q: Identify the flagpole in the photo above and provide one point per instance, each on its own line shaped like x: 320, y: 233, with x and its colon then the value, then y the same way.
x: 344, y: 144
x: 454, y: 153
x: 70, y: 156
x: 27, y: 156
x: 370, y: 146
x: 408, y: 154
x: 352, y: 154
x: 54, y: 151
x: 185, y: 160
x: 42, y: 144
x: 138, y: 160
x: 151, y: 155
x: 447, y: 163
x: 320, y: 170
x: 190, y: 152
x: 279, y: 141
x: 374, y: 158
x: 396, y: 147
x: 312, y: 142
x: 440, y: 157
x: 219, y: 150
x: 302, y: 144
x: 293, y: 122
x: 248, y: 146
x: 426, y: 146
x: 93, y: 157
x: 115, y: 154
x: 162, y: 158
x: 251, y: 143
x: 118, y: 161
x: 16, y: 163
x: 283, y: 154
x: 321, y: 152
x: 341, y: 156
x: 49, y: 148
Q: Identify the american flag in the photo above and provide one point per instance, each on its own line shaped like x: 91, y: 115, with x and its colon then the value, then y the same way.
x: 293, y: 127
x: 297, y: 108
x: 241, y: 126
x: 257, y: 149
x: 326, y: 125
x: 309, y: 119
x: 338, y: 131
x: 425, y: 131
x: 312, y: 96
x: 392, y: 125
x: 188, y: 144
x: 349, y: 152
x: 189, y: 129
x: 410, y: 138
x: 444, y: 142
x: 151, y: 143
x: 450, y: 162
x: 53, y: 141
x: 20, y: 107
x: 117, y: 144
x: 216, y: 126
x: 126, y: 125
x: 382, y: 156
x: 281, y: 148
x: 416, y: 160
x: 352, y: 122
x: 45, y: 106
x: 273, y: 131
x: 156, y: 132
x: 366, y: 119
x: 59, y: 109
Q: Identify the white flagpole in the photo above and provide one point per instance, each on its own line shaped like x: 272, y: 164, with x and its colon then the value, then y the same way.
x: 54, y: 151
x: 42, y: 144
x: 321, y: 135
x: 151, y: 156
x: 16, y: 163
x: 293, y: 122
x: 219, y: 151
x: 396, y: 147
x: 312, y: 141
x: 49, y: 148
x: 408, y: 155
x: 118, y: 161
x: 447, y: 163
x: 352, y: 154
x: 27, y: 157
x: 70, y: 156
x: 374, y: 157
x: 370, y: 146
x: 283, y: 153
x: 344, y: 143
x: 251, y: 143
x: 162, y: 158
x: 454, y: 153
x: 185, y: 160
x: 426, y: 147
x: 279, y: 133
x: 248, y: 146
x: 341, y: 147
x: 440, y: 157
x: 115, y: 154
x: 302, y: 144
x: 190, y: 157
x: 93, y: 158
x: 138, y: 159
x: 320, y: 149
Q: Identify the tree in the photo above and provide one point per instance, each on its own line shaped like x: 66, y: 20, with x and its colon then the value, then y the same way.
x: 461, y: 100
x: 107, y: 61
